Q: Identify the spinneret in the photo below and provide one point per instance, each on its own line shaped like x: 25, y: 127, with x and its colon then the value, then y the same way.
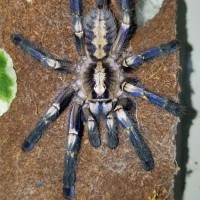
x: 102, y: 90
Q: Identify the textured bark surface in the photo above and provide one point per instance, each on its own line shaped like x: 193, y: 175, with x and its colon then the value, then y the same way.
x: 101, y: 173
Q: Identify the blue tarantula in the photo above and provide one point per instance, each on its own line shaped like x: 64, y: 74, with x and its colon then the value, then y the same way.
x: 101, y: 89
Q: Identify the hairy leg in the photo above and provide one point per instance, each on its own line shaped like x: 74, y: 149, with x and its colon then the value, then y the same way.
x: 59, y: 104
x: 71, y: 151
x: 131, y: 88
x: 92, y: 126
x: 137, y: 59
x: 111, y: 131
x: 77, y: 25
x: 30, y: 49
x: 125, y: 26
x: 135, y: 137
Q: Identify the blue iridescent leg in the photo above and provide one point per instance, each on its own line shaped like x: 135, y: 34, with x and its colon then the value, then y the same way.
x: 34, y: 52
x: 77, y: 25
x: 111, y: 126
x: 92, y: 126
x: 52, y: 113
x: 124, y: 30
x: 135, y: 137
x: 168, y: 105
x: 72, y: 150
x: 111, y: 131
x: 136, y: 60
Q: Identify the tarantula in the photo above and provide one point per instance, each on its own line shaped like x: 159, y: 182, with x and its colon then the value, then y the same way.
x: 101, y: 89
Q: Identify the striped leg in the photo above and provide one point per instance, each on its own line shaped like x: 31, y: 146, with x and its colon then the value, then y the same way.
x: 124, y: 30
x: 31, y: 50
x: 136, y: 60
x: 52, y: 113
x: 72, y: 150
x: 92, y: 126
x: 135, y: 137
x: 77, y: 25
x: 112, y: 136
x: 168, y: 105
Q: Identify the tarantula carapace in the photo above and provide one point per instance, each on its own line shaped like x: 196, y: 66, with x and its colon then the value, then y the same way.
x: 101, y: 89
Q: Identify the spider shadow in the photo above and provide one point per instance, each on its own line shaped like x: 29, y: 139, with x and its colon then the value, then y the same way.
x: 185, y: 100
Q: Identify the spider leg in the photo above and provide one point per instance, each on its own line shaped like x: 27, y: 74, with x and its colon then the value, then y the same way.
x: 77, y: 25
x: 92, y: 126
x: 136, y: 60
x: 124, y: 30
x: 59, y: 104
x: 72, y: 150
x: 31, y: 50
x: 168, y: 105
x: 111, y: 130
x: 135, y: 137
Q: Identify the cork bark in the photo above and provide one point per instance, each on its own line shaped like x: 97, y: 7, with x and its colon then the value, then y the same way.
x: 101, y: 173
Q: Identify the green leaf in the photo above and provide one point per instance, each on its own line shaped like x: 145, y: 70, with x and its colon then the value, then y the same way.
x: 8, y: 85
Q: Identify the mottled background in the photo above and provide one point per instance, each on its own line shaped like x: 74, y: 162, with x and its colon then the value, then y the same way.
x: 101, y: 173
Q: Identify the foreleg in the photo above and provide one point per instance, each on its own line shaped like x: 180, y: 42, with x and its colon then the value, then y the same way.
x: 52, y: 113
x: 124, y: 30
x: 31, y: 50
